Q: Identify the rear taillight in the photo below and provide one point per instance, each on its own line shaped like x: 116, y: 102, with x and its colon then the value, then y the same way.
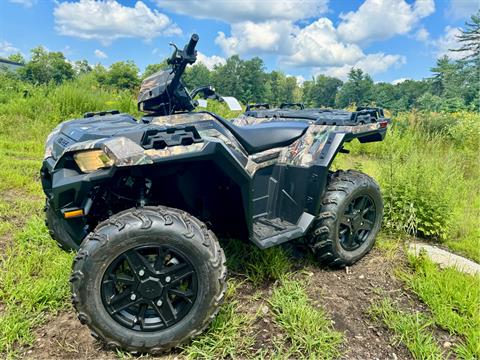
x: 383, y: 124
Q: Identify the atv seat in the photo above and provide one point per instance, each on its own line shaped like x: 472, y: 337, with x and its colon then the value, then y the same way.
x: 269, y: 135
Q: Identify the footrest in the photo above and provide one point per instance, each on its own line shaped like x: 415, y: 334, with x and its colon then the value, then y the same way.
x: 268, y: 232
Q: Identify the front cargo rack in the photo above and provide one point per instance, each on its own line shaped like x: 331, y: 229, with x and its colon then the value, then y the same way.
x: 161, y: 138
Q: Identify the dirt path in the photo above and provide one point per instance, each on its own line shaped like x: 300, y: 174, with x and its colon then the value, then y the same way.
x: 348, y: 294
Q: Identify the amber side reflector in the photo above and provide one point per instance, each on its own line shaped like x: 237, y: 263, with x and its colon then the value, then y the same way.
x: 73, y: 213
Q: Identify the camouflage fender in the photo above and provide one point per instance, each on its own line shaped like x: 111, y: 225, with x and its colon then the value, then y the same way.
x: 316, y: 147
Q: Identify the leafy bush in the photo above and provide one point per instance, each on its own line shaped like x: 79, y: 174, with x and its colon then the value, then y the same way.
x: 429, y: 173
x: 415, y: 200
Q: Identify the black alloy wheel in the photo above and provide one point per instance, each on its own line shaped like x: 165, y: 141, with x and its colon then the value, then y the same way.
x: 148, y: 279
x: 149, y: 288
x: 357, y: 222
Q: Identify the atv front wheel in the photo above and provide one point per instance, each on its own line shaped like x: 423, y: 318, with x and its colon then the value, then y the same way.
x: 148, y: 279
x: 349, y: 220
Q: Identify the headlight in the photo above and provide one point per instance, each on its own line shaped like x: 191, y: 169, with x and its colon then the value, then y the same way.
x: 91, y: 160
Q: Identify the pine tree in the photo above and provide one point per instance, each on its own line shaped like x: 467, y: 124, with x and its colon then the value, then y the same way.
x: 470, y: 39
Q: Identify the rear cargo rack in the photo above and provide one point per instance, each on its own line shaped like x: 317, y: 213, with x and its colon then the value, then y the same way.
x: 363, y: 115
x: 288, y: 105
x: 257, y: 106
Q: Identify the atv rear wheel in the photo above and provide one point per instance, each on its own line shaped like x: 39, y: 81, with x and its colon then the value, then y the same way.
x: 349, y: 220
x: 148, y: 279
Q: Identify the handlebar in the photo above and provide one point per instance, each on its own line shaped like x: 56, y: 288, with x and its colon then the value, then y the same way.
x: 190, y: 48
x: 179, y: 61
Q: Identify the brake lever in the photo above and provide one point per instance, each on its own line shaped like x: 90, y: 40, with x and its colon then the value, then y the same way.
x: 172, y: 59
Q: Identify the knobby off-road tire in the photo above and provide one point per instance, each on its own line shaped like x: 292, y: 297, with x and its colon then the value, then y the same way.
x: 140, y: 229
x: 349, y: 219
x: 57, y: 231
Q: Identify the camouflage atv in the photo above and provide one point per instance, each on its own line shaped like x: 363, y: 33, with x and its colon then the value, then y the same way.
x: 144, y: 201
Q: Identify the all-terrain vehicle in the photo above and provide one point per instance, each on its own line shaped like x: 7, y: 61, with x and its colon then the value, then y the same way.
x: 142, y: 200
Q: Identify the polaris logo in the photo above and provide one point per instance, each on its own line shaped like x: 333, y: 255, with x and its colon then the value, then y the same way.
x: 62, y: 142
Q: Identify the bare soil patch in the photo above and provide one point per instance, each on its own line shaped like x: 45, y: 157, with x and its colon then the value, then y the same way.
x: 253, y: 302
x: 347, y: 295
x: 64, y: 338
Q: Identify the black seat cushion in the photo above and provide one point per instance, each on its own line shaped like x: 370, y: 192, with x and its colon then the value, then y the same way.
x: 269, y: 135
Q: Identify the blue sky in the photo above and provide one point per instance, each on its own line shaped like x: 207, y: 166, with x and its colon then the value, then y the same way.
x: 390, y: 39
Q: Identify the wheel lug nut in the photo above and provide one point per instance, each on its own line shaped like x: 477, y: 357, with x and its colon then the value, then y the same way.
x: 159, y: 303
x: 133, y: 297
x: 141, y: 272
x: 168, y: 279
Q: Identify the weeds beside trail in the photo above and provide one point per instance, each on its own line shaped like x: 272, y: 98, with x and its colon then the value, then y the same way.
x: 429, y: 171
x: 454, y: 301
x: 308, y: 329
x: 414, y: 330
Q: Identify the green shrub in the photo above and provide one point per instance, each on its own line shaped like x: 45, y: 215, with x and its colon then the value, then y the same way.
x: 429, y: 171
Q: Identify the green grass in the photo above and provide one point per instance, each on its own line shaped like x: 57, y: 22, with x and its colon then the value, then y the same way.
x: 258, y: 266
x: 454, y: 301
x: 226, y: 337
x: 33, y: 281
x: 413, y: 330
x: 309, y: 331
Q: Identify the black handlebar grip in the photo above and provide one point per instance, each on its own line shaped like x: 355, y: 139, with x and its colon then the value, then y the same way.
x: 191, y: 45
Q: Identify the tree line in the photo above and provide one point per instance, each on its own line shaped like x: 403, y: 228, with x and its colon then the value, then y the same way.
x: 454, y: 84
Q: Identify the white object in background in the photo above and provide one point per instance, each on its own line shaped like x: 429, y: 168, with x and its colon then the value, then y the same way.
x: 202, y: 103
x: 232, y: 103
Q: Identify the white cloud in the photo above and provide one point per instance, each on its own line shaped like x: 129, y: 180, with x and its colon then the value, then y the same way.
x: 318, y: 45
x: 380, y: 62
x: 460, y: 9
x: 423, y: 8
x: 422, y: 34
x: 7, y: 49
x: 382, y: 19
x: 447, y: 42
x: 249, y: 37
x: 26, y: 3
x: 210, y: 61
x: 371, y: 64
x: 109, y: 20
x: 247, y: 10
x: 399, y: 81
x: 100, y: 54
